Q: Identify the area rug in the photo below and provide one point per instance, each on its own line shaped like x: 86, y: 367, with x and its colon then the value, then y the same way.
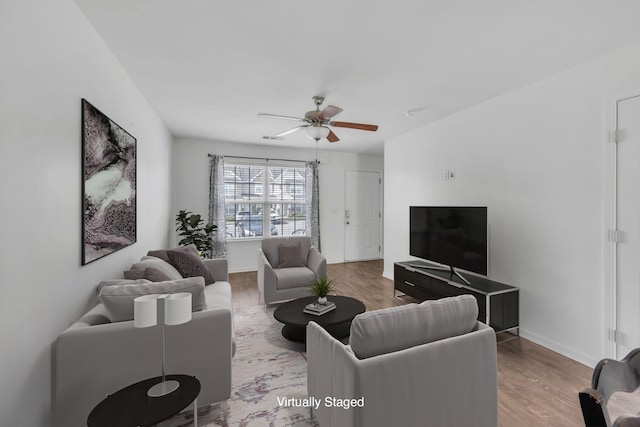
x: 265, y: 369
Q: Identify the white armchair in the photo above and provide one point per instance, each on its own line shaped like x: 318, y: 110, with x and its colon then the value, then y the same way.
x: 430, y: 364
x: 286, y: 268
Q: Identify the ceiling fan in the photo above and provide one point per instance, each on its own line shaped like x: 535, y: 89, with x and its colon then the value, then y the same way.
x: 316, y: 123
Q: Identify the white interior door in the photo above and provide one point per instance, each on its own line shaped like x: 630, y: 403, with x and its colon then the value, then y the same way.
x: 362, y: 215
x: 627, y: 283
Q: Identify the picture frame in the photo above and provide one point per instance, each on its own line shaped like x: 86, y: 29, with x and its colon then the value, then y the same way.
x: 109, y: 185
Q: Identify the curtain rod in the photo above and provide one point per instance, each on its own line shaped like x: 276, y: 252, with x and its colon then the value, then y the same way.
x: 267, y: 159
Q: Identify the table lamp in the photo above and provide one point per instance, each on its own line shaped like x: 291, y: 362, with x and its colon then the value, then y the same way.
x: 166, y: 309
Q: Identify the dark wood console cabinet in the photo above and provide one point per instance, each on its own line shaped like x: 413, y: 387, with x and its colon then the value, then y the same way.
x: 498, y: 304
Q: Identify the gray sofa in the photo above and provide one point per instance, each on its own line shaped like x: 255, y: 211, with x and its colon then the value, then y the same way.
x: 95, y: 357
x: 430, y: 364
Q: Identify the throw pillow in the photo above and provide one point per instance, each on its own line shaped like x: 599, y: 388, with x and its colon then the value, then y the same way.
x: 150, y: 273
x: 118, y: 299
x: 289, y: 256
x: 190, y: 265
x: 164, y: 266
x: 120, y: 282
x: 162, y: 253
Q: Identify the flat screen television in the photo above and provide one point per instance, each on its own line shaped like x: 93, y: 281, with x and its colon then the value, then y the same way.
x: 455, y: 236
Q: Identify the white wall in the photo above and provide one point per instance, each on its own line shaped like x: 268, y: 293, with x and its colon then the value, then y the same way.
x: 51, y: 58
x: 191, y: 181
x: 535, y: 158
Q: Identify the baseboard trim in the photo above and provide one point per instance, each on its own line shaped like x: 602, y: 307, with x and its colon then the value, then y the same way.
x: 242, y: 269
x: 559, y: 348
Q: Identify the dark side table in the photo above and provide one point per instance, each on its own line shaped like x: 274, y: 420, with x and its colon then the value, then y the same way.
x: 132, y: 407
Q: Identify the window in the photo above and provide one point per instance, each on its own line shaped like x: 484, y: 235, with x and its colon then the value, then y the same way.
x: 228, y: 190
x: 264, y: 197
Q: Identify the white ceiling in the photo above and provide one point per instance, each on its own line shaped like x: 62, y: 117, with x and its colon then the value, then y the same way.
x: 208, y: 67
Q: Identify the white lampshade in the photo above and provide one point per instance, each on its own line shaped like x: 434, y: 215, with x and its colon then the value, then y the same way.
x: 145, y: 311
x: 317, y: 132
x: 177, y: 308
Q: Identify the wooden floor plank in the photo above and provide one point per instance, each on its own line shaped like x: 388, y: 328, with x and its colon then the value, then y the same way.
x: 536, y: 386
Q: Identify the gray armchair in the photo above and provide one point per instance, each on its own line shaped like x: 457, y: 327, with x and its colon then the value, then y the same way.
x: 614, y: 396
x: 286, y: 268
x: 430, y: 364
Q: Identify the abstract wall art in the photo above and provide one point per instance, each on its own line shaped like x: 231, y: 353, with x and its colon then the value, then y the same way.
x: 109, y: 185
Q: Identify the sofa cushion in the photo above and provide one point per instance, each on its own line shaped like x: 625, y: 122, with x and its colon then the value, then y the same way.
x: 150, y: 273
x: 118, y: 299
x: 165, y: 267
x: 290, y: 256
x: 162, y: 253
x: 396, y: 328
x: 190, y: 265
x: 294, y: 277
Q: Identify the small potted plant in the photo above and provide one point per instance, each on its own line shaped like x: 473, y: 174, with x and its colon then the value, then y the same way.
x: 321, y: 287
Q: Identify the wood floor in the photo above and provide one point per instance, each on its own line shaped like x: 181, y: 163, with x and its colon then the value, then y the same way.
x: 536, y: 386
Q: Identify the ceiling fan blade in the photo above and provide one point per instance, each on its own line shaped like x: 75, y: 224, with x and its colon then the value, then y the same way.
x: 329, y: 112
x: 275, y: 116
x: 360, y: 126
x: 332, y: 137
x: 290, y: 131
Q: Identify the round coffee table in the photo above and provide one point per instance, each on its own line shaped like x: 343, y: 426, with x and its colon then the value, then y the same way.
x: 337, y: 322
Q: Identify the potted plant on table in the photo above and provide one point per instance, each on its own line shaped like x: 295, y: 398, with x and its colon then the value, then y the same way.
x: 321, y: 287
x: 193, y: 231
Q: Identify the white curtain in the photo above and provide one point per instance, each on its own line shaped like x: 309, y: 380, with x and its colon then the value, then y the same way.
x: 312, y: 203
x: 216, y: 205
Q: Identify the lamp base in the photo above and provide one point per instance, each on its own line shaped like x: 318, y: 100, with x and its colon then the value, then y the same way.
x: 163, y: 388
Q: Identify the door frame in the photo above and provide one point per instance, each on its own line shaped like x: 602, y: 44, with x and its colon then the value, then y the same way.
x: 380, y: 205
x: 610, y: 206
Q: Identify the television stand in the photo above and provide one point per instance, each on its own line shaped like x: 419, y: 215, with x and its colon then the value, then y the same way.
x: 498, y: 303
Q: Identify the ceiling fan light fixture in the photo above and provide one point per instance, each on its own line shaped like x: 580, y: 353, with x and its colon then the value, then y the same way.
x: 317, y: 132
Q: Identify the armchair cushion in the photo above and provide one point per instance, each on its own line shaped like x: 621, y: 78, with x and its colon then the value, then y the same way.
x: 118, y: 299
x: 290, y: 256
x: 189, y: 264
x: 294, y: 277
x: 397, y: 328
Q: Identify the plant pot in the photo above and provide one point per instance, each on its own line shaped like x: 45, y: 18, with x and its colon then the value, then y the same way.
x: 322, y: 300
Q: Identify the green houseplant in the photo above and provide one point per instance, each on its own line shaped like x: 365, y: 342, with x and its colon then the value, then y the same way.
x: 321, y: 287
x: 193, y: 231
